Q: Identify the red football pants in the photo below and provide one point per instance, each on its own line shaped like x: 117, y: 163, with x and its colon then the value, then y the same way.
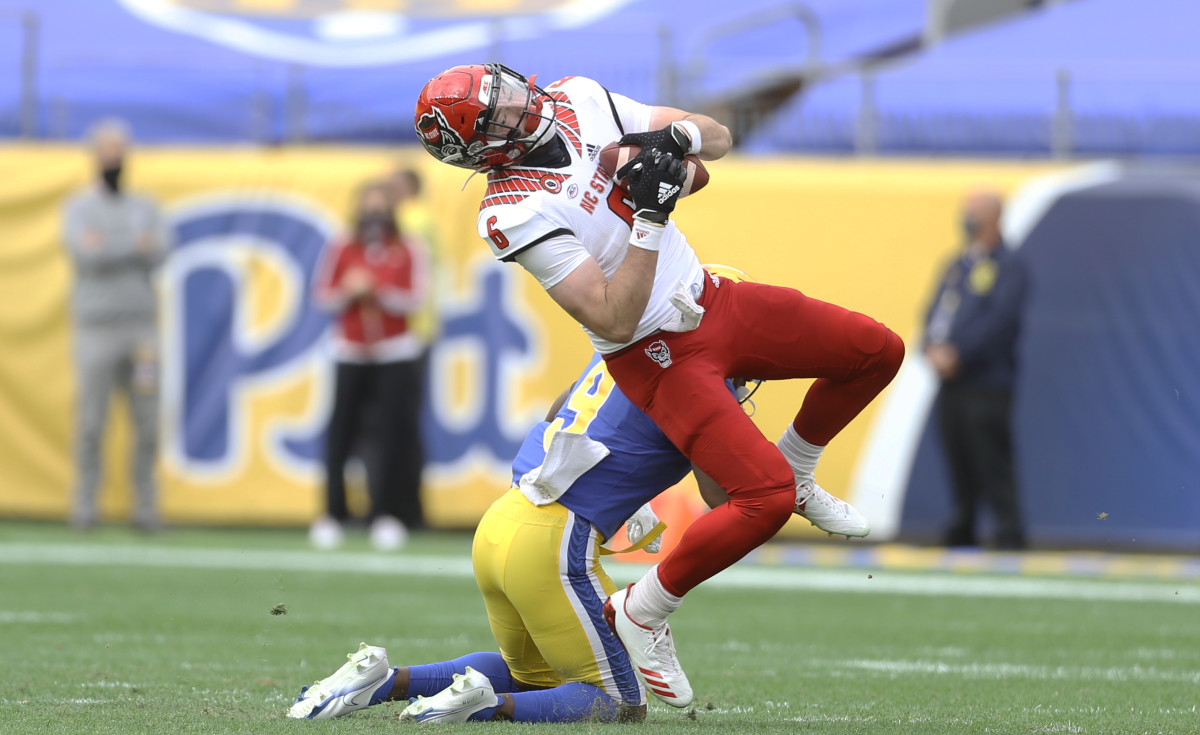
x: 750, y: 330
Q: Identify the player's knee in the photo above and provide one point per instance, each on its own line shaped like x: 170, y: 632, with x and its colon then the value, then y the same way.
x: 882, y: 347
x: 631, y: 713
x: 779, y: 506
x: 769, y: 508
x: 892, y: 354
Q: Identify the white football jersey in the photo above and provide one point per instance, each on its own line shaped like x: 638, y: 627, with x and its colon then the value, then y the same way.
x: 575, y: 212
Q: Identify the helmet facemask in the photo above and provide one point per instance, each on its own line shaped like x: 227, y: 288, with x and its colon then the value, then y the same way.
x: 514, y: 114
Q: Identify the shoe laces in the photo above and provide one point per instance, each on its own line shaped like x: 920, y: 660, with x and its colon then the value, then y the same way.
x: 662, y: 648
x: 316, y: 691
x: 822, y: 497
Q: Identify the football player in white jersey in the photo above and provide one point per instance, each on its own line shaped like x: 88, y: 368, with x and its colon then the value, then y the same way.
x: 670, y: 333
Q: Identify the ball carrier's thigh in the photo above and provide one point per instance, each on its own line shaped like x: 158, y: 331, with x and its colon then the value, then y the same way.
x: 753, y: 331
x: 771, y: 332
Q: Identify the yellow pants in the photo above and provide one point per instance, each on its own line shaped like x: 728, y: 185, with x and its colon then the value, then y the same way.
x: 544, y: 589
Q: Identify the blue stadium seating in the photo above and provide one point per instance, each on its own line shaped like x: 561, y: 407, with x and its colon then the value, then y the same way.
x: 1132, y: 87
x: 216, y: 79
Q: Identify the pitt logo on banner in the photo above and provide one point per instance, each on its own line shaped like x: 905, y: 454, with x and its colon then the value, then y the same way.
x: 487, y: 346
x: 248, y: 376
x: 239, y: 326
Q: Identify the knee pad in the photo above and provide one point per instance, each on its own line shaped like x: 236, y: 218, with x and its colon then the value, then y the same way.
x: 882, y: 347
x: 892, y: 354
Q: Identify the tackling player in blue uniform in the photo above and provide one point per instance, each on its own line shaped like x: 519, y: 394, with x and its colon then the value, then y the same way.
x: 593, y: 463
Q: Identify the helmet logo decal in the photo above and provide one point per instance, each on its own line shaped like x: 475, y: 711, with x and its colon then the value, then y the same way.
x: 460, y: 120
x: 443, y: 141
x: 659, y: 353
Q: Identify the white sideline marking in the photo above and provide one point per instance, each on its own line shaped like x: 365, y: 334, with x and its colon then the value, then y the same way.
x: 34, y: 616
x: 1018, y: 671
x: 740, y: 576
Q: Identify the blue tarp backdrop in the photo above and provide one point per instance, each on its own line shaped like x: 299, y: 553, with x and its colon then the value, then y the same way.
x: 1107, y: 410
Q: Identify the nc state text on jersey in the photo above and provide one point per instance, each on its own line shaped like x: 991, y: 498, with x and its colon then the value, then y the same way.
x: 599, y: 184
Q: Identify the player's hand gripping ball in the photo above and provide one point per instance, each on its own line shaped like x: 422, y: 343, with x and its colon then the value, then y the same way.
x: 614, y: 155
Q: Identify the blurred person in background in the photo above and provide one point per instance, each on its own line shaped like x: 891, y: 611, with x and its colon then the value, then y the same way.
x: 374, y: 282
x: 416, y: 221
x: 414, y: 216
x: 970, y: 340
x: 116, y: 239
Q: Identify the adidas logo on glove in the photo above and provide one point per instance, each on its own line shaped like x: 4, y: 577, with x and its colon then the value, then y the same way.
x: 666, y: 191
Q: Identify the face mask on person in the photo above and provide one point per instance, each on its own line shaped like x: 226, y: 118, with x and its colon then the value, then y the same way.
x: 110, y: 174
x: 374, y: 225
x: 970, y: 228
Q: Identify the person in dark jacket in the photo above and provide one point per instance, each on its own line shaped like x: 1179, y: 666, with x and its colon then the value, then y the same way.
x: 970, y: 340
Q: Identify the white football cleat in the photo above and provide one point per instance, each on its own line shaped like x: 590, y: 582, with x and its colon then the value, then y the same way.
x: 652, y: 652
x: 349, y: 689
x: 470, y: 693
x: 388, y: 534
x: 827, y: 512
x: 326, y: 533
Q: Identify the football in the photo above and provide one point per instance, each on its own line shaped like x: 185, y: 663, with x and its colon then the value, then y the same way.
x: 613, y: 156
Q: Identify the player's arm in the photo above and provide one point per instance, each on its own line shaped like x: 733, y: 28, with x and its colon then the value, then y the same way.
x: 675, y: 131
x: 715, y: 138
x: 612, y: 308
x: 558, y: 403
x: 609, y: 308
x: 712, y: 493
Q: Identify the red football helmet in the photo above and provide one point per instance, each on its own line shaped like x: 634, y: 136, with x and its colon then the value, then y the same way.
x: 480, y: 116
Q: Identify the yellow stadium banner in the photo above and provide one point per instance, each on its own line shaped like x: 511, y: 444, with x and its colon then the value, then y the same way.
x: 247, y: 373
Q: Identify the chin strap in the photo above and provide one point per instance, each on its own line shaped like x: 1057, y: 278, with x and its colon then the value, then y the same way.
x: 464, y: 186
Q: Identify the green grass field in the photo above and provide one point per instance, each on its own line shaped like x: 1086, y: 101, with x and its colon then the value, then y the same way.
x: 113, y: 632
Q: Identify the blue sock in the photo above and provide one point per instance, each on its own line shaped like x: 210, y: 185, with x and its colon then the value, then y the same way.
x: 570, y: 702
x: 429, y: 679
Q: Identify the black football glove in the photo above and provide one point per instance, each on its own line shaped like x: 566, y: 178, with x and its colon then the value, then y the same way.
x: 671, y: 140
x: 654, y: 186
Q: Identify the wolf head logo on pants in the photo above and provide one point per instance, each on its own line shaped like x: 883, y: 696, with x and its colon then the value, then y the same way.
x: 659, y: 353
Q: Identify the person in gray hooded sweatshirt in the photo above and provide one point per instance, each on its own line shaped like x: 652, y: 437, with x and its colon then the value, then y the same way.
x: 116, y: 239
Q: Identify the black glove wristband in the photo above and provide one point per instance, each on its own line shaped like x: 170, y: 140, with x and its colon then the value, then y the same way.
x: 664, y: 140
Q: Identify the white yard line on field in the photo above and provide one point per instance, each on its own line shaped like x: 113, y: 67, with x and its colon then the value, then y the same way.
x: 9, y: 617
x: 893, y: 667
x: 741, y: 576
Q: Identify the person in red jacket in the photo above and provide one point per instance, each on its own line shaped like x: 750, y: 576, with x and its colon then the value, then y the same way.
x: 373, y: 282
